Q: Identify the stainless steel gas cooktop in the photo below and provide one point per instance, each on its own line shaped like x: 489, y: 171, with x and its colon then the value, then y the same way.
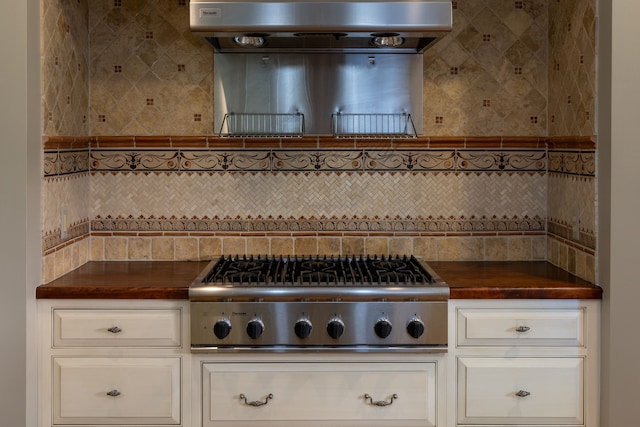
x: 356, y: 303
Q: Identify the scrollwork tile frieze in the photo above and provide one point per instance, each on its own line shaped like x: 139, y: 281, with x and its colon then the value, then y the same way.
x: 573, y: 162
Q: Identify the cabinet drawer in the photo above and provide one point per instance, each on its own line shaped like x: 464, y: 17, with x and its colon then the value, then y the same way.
x: 520, y: 391
x: 526, y: 327
x: 116, y: 391
x: 116, y: 328
x: 317, y: 393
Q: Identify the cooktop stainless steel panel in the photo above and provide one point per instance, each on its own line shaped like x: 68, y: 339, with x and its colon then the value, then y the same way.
x: 312, y: 324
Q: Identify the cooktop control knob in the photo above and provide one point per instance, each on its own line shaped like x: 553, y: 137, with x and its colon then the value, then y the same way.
x: 222, y: 328
x: 382, y: 328
x: 255, y: 327
x: 335, y: 328
x: 415, y: 327
x: 302, y: 328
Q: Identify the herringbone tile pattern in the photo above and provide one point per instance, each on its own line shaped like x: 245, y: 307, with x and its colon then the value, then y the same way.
x: 308, y: 195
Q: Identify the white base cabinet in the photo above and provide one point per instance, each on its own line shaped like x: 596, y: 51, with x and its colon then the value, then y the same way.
x: 114, y: 363
x: 525, y: 362
x: 116, y: 391
x: 331, y: 394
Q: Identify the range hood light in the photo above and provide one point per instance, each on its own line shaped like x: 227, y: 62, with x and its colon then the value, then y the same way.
x: 249, y: 41
x: 387, y: 40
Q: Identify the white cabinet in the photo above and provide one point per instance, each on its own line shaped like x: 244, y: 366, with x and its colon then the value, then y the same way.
x: 347, y: 390
x: 525, y: 362
x: 116, y: 328
x: 113, y: 363
x: 521, y: 390
x: 122, y: 390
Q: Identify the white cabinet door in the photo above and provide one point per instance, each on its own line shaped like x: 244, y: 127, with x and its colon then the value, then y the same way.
x: 520, y: 390
x: 116, y: 328
x: 116, y: 390
x: 332, y: 394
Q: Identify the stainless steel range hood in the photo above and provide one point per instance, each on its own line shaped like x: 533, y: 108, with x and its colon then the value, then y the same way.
x: 380, y: 26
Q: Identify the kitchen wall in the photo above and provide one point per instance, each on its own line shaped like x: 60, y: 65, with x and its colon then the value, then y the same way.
x: 132, y: 170
x: 571, y: 199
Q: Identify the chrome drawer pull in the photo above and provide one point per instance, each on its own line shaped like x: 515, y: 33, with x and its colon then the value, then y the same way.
x: 256, y: 402
x: 113, y: 393
x: 380, y: 402
x: 523, y: 329
x: 114, y: 330
x: 522, y: 393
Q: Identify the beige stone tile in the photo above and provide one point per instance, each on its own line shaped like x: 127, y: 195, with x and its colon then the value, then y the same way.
x: 377, y: 246
x: 426, y: 247
x: 139, y: 248
x: 448, y: 249
x: 553, y: 254
x: 74, y: 256
x: 352, y: 246
x: 162, y: 248
x: 563, y: 256
x: 581, y: 264
x: 281, y: 246
x: 234, y: 246
x: 258, y: 246
x: 83, y: 250
x: 539, y: 248
x: 329, y: 246
x: 519, y: 248
x: 115, y: 248
x: 400, y: 246
x: 590, y: 269
x: 48, y: 268
x: 571, y: 260
x: 495, y: 249
x: 306, y: 246
x: 471, y: 248
x: 58, y: 264
x: 96, y: 248
x: 186, y: 248
x: 209, y: 247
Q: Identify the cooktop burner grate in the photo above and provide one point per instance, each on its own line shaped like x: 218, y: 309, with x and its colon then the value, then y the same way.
x: 319, y: 271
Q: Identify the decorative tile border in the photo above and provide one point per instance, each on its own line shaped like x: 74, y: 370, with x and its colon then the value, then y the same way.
x: 572, y: 162
x: 317, y: 160
x: 52, y: 239
x: 436, y: 226
x: 65, y: 162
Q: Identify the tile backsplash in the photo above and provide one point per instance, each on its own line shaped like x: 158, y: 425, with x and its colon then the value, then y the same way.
x: 131, y: 170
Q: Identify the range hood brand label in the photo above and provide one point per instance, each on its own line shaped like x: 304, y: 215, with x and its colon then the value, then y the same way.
x: 210, y: 12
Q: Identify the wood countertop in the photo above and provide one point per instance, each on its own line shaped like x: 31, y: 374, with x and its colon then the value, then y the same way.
x: 171, y: 280
x: 512, y: 280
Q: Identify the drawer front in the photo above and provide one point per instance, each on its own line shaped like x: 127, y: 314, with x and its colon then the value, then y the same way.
x: 117, y: 328
x: 520, y: 391
x: 116, y: 391
x: 315, y: 392
x: 527, y: 327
